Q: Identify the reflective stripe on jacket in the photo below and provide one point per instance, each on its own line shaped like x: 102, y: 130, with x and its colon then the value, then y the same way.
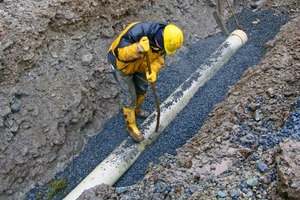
x: 124, y: 48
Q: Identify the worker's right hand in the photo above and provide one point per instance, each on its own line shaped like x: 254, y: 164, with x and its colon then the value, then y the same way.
x: 143, y: 45
x: 151, y: 77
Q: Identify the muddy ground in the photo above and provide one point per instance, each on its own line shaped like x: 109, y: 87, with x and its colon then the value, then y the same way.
x: 56, y: 90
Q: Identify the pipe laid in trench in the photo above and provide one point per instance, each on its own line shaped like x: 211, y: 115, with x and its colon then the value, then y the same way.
x: 119, y: 161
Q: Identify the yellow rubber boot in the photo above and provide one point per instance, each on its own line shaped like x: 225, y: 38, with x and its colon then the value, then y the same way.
x: 131, y: 128
x: 138, y: 110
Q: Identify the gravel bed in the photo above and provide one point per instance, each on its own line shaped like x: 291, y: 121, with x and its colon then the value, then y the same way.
x: 183, y: 127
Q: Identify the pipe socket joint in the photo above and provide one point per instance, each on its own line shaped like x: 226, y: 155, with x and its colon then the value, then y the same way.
x: 241, y: 34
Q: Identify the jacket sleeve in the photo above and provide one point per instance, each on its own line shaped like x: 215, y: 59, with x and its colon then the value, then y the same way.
x: 128, y: 53
x: 157, y: 64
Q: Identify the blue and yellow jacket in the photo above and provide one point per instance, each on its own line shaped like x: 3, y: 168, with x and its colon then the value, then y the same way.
x: 125, y: 50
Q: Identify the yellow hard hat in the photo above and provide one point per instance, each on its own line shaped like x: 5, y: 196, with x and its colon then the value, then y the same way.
x: 173, y: 38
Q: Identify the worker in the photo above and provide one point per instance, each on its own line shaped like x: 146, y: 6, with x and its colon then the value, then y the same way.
x: 127, y: 56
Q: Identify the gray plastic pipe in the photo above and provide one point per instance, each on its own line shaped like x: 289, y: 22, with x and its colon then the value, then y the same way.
x: 119, y: 161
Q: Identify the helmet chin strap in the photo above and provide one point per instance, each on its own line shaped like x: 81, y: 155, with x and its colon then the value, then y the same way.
x: 158, y: 37
x: 157, y: 43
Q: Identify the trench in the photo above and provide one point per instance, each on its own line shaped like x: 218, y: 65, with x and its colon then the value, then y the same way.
x: 183, y: 127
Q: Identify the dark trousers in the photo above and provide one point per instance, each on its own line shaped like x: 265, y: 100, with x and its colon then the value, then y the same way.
x: 130, y: 85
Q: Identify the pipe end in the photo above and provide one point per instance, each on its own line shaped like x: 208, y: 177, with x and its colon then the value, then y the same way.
x: 241, y: 34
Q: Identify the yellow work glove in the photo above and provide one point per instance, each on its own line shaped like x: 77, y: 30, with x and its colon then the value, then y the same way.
x: 151, y: 77
x: 143, y: 45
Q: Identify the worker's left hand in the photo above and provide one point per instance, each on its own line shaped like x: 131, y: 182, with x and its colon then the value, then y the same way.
x: 143, y: 45
x: 151, y: 77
